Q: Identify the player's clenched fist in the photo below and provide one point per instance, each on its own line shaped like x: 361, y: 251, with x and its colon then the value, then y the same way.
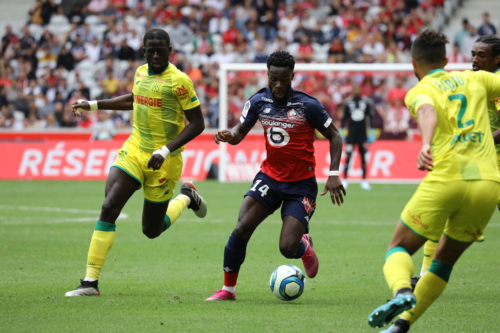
x: 223, y: 136
x: 155, y: 162
x: 158, y: 157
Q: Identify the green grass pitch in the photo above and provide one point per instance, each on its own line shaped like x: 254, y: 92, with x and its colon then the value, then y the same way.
x: 160, y: 285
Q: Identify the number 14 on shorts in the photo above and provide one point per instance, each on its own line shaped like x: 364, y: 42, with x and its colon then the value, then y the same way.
x: 262, y: 189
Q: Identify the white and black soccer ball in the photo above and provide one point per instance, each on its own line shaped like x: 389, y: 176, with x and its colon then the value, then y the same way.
x: 287, y: 282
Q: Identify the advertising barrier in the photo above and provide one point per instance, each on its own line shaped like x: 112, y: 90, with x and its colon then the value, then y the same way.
x: 388, y: 161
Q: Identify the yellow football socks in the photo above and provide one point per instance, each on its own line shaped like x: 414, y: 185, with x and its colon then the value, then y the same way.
x: 102, y: 240
x: 428, y: 289
x: 429, y: 250
x: 175, y: 208
x: 398, y: 269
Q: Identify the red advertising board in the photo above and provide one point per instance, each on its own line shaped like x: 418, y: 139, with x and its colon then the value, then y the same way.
x: 86, y: 160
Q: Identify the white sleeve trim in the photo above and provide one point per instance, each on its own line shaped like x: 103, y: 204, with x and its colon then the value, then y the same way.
x: 328, y: 122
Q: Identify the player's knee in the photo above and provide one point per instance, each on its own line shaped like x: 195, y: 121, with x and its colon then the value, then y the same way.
x: 242, y: 230
x: 288, y: 250
x: 109, y: 212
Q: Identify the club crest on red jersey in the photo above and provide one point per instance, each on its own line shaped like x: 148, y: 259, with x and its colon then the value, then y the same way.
x: 309, y: 205
x: 292, y: 114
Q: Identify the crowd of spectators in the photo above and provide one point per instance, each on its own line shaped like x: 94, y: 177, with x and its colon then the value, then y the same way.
x: 91, y: 50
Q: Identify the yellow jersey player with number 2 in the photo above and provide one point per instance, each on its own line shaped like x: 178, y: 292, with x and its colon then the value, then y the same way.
x: 151, y: 157
x: 485, y: 56
x: 458, y: 196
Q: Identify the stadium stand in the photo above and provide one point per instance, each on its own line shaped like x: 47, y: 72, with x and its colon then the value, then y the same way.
x: 89, y: 49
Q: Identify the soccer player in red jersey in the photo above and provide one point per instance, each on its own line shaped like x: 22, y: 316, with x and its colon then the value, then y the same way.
x: 287, y: 176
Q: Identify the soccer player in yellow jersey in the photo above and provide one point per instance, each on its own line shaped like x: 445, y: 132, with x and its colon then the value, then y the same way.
x: 456, y: 199
x: 486, y: 57
x: 151, y: 157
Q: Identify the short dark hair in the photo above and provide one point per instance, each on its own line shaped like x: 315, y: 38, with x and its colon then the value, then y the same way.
x: 156, y: 34
x: 429, y: 47
x: 281, y: 59
x: 494, y: 41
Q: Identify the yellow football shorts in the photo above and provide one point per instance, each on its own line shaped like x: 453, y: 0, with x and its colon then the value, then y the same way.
x: 459, y: 209
x: 158, y: 185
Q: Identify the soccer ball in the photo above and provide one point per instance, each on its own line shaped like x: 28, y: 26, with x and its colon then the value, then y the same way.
x: 287, y: 282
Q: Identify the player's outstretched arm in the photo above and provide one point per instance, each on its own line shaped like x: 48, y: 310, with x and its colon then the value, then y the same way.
x: 427, y: 122
x: 124, y: 103
x: 333, y: 184
x: 195, y: 127
x: 233, y: 136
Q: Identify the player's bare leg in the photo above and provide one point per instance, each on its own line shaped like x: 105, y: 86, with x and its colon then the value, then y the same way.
x: 119, y: 188
x: 292, y: 231
x: 295, y: 244
x: 251, y: 214
x: 153, y: 219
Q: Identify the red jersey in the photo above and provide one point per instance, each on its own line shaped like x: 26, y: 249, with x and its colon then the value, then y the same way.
x: 288, y: 131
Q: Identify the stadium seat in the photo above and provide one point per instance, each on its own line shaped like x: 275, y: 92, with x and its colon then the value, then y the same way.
x: 124, y: 65
x: 293, y: 48
x: 59, y: 20
x: 89, y: 82
x: 373, y: 11
x: 39, y: 72
x: 36, y: 30
x: 18, y: 119
x: 217, y: 39
x: 142, y: 21
x: 93, y: 20
x: 320, y: 54
x: 85, y: 66
x: 194, y: 58
x: 130, y: 20
x: 95, y: 91
x: 325, y: 28
x: 187, y: 48
x: 58, y: 29
x: 71, y: 78
x: 99, y: 30
x: 99, y: 66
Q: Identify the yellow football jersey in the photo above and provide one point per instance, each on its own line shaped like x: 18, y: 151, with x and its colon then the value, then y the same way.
x: 493, y: 109
x: 159, y: 101
x: 462, y: 146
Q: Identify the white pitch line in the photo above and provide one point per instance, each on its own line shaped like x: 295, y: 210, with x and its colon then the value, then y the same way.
x: 77, y: 220
x: 37, y: 220
x: 52, y: 209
